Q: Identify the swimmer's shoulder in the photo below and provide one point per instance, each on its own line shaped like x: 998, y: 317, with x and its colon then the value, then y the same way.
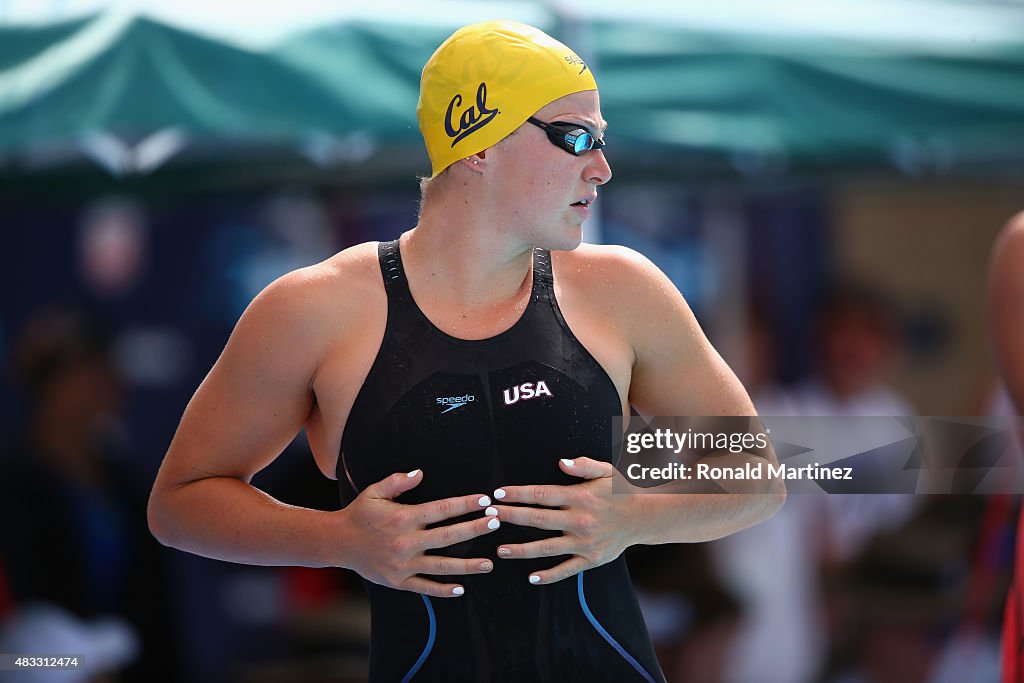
x: 614, y: 287
x: 609, y: 271
x: 355, y: 271
x: 319, y: 301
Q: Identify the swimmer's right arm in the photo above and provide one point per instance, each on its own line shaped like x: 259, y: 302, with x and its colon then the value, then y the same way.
x: 252, y: 403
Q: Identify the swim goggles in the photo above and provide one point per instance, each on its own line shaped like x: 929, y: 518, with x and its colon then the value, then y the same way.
x: 572, y: 137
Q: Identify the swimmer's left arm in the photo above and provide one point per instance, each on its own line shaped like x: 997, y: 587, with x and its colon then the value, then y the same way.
x: 676, y: 372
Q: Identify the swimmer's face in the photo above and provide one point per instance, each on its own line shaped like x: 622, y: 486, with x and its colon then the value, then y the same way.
x: 543, y: 181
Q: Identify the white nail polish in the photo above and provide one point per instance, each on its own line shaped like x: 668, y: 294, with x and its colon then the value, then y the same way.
x: 484, y: 501
x: 413, y: 474
x: 499, y: 493
x: 491, y: 512
x: 534, y: 578
x: 567, y: 462
x: 458, y: 590
x: 493, y: 523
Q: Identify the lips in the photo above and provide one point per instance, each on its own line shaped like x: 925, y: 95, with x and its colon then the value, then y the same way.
x: 586, y: 201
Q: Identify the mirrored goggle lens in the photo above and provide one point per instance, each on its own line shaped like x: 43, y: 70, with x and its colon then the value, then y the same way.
x: 580, y: 142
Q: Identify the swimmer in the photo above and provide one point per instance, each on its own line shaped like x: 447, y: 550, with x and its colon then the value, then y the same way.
x: 460, y: 384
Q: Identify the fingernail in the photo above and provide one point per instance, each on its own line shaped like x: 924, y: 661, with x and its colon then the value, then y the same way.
x: 534, y: 578
x: 484, y: 501
x: 567, y: 462
x: 493, y: 523
x: 504, y: 552
x: 486, y: 565
x: 499, y: 493
x: 491, y: 512
x: 413, y: 474
x: 458, y: 590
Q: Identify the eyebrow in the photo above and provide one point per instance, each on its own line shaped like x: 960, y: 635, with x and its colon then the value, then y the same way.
x: 603, y: 127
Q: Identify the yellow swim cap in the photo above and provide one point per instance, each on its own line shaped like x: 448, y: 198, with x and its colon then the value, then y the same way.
x: 486, y: 80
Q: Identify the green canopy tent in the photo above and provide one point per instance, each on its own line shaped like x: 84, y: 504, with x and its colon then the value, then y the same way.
x: 132, y: 77
x: 682, y: 88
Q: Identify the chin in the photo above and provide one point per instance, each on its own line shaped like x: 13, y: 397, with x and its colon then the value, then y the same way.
x: 561, y: 245
x: 565, y: 241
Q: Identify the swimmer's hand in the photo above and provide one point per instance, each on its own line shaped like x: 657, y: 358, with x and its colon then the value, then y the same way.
x: 385, y: 541
x: 595, y: 525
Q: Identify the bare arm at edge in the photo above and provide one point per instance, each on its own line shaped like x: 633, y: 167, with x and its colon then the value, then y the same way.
x: 1006, y: 307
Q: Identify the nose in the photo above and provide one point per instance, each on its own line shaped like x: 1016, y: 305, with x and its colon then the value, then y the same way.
x: 597, y: 169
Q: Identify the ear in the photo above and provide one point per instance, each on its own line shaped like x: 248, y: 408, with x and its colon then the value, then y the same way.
x: 477, y: 163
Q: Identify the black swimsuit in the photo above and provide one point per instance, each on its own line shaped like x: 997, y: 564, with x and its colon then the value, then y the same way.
x: 476, y: 415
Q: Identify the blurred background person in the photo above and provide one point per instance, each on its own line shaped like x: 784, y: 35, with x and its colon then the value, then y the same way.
x: 73, y: 501
x: 857, y: 347
x: 784, y: 636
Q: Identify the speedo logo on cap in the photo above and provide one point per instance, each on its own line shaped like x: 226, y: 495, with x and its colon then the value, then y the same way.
x: 572, y: 58
x: 472, y: 118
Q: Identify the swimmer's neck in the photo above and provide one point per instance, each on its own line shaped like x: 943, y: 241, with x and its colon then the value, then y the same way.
x: 471, y: 265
